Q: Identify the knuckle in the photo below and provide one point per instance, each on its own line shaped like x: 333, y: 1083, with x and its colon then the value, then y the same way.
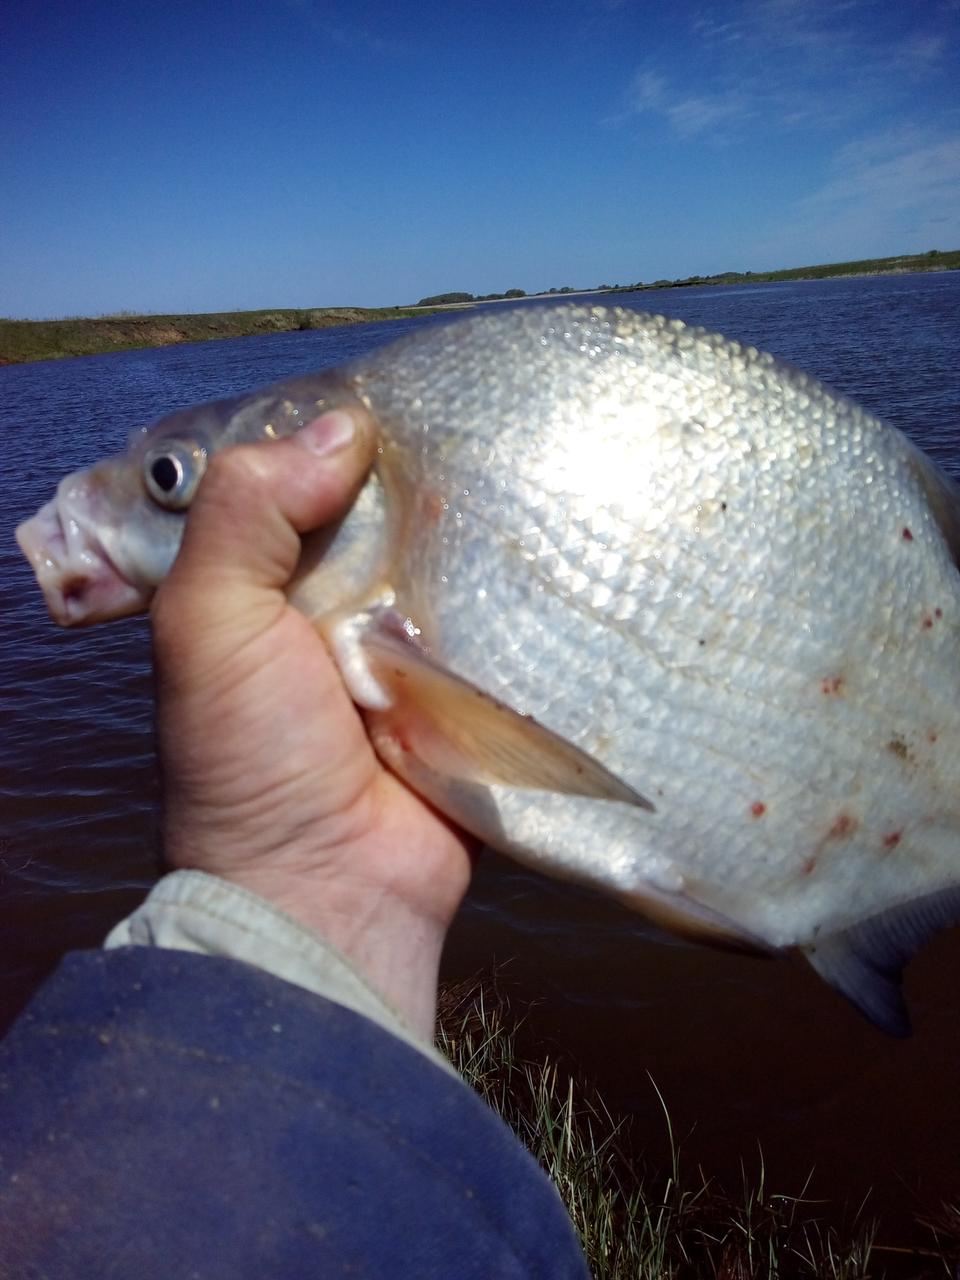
x: 237, y: 490
x: 237, y: 471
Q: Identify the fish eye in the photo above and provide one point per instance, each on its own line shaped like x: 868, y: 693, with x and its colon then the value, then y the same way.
x: 172, y: 471
x: 166, y: 472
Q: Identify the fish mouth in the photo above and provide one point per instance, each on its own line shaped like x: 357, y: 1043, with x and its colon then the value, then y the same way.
x: 81, y: 584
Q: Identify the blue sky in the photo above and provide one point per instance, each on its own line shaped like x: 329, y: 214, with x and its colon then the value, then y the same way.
x: 203, y: 156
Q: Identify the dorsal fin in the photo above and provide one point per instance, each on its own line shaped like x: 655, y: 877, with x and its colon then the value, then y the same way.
x: 943, y: 494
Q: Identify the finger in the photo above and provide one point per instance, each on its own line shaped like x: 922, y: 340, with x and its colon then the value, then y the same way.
x: 255, y: 500
x: 242, y: 539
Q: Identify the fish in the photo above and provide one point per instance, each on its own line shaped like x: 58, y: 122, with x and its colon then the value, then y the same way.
x: 634, y: 604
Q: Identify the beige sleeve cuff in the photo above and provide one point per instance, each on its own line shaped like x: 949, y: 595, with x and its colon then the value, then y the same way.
x: 193, y: 911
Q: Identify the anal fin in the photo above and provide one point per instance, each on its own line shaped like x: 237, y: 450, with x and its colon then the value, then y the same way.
x: 684, y: 915
x: 865, y: 962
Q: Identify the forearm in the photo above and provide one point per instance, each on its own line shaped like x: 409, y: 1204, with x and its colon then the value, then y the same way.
x: 167, y: 1114
x: 395, y: 950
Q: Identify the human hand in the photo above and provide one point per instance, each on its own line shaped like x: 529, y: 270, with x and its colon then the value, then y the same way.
x: 269, y: 778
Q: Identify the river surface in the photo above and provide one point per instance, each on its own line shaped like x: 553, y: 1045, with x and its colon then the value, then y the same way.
x: 745, y: 1052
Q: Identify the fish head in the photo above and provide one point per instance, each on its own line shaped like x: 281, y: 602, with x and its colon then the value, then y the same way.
x: 105, y: 542
x: 100, y: 547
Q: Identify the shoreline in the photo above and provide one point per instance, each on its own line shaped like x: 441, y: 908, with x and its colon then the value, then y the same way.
x: 26, y: 341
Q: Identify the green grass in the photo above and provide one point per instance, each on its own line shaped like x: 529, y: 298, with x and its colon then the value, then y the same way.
x: 22, y: 340
x: 934, y: 260
x: 641, y: 1223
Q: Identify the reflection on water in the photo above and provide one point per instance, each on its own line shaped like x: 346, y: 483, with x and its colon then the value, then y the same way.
x: 743, y: 1050
x: 750, y: 1055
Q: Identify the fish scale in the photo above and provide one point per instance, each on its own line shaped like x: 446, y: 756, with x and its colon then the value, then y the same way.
x: 683, y: 622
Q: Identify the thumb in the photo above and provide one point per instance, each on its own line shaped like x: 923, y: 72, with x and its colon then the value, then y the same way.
x: 242, y: 539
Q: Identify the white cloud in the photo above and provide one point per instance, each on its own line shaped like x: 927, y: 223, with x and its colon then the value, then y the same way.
x: 787, y: 65
x: 896, y: 171
x: 921, y: 52
x: 346, y: 31
x: 689, y: 114
x: 698, y: 115
x: 647, y: 91
x: 888, y: 192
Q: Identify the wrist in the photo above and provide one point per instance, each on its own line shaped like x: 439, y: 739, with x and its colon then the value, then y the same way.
x: 393, y: 943
x: 393, y: 946
x: 197, y: 912
x: 380, y: 880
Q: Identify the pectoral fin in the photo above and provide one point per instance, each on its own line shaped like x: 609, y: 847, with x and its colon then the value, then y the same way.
x: 455, y: 729
x: 451, y: 742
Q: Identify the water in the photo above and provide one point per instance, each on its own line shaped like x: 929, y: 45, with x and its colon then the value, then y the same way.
x: 744, y: 1051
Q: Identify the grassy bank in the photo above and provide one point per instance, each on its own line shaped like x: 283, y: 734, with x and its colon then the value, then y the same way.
x: 641, y: 1223
x: 22, y: 340
x: 901, y: 265
x: 934, y: 260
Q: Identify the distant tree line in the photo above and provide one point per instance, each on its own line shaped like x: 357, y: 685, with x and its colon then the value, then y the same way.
x: 440, y: 299
x: 932, y: 260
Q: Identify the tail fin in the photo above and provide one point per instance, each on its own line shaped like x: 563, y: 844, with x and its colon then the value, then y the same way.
x: 865, y: 962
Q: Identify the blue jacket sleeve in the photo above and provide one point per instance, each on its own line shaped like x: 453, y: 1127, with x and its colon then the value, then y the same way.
x: 187, y: 1117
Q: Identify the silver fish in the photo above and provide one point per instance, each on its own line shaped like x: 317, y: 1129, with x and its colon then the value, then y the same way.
x: 635, y: 604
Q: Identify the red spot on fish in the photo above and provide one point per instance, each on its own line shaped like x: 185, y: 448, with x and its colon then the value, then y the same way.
x: 931, y: 736
x: 399, y: 739
x: 892, y: 840
x: 432, y: 506
x: 938, y: 613
x: 809, y: 865
x: 843, y: 827
x: 907, y: 535
x: 758, y: 808
x: 830, y: 685
x: 927, y: 623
